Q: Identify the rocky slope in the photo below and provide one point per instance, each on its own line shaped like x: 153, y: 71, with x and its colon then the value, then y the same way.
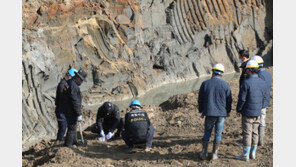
x: 177, y: 141
x: 128, y: 47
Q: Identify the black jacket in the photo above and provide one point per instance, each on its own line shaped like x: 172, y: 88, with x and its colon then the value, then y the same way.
x: 61, y: 97
x: 244, y: 72
x: 111, y: 119
x: 214, y: 97
x: 74, y: 99
x: 136, y: 124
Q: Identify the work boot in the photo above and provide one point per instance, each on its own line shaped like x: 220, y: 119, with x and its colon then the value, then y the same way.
x: 253, y: 152
x: 70, y: 140
x: 245, y: 155
x: 215, y: 150
x: 204, y: 152
x: 261, y: 135
x: 131, y: 150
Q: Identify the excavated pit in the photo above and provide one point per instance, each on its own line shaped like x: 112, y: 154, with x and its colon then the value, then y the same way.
x: 177, y: 140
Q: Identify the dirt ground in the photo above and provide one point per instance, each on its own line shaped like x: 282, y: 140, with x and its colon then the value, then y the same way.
x: 177, y: 141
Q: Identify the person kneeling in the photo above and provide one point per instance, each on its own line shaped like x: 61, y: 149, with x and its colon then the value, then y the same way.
x: 137, y: 128
x: 108, y: 120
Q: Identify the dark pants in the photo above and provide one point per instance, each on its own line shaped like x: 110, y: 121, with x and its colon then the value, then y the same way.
x: 107, y: 128
x: 71, y: 137
x: 210, y: 122
x: 130, y: 141
x: 62, y: 126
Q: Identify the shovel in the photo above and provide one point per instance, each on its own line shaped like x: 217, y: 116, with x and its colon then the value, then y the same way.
x: 82, y: 142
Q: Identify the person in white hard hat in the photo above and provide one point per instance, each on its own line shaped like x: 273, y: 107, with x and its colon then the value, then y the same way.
x: 251, y: 99
x: 214, y: 102
x: 266, y: 76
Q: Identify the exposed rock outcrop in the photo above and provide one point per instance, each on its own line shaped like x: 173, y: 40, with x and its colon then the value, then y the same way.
x: 129, y: 47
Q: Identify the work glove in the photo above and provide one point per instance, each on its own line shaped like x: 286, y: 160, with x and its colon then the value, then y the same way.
x: 101, y: 139
x: 79, y: 118
x: 102, y: 133
x: 109, y: 135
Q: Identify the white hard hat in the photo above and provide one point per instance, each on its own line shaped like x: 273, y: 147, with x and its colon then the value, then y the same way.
x: 258, y: 59
x: 252, y: 64
x: 218, y: 67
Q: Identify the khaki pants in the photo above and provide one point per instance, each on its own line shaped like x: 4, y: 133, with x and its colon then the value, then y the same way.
x: 262, y: 117
x: 250, y: 130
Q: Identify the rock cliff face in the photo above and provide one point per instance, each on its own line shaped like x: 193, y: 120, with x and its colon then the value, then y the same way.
x: 128, y: 47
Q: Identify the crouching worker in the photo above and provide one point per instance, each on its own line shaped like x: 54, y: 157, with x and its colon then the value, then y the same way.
x: 251, y: 99
x: 137, y: 128
x: 214, y: 102
x: 108, y: 120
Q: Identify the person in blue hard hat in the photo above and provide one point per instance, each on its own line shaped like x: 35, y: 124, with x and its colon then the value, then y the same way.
x: 251, y: 99
x: 61, y: 96
x: 137, y: 128
x: 108, y: 120
x: 266, y: 76
x: 214, y: 102
x: 73, y: 107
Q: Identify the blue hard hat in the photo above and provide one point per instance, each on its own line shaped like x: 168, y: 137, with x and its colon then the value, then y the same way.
x: 71, y: 71
x: 135, y: 103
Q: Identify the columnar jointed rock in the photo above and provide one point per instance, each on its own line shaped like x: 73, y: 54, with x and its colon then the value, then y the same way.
x: 129, y: 47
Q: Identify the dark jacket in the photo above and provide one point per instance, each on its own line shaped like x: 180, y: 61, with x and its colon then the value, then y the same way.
x: 74, y: 99
x: 110, y: 119
x: 214, y: 97
x: 244, y: 72
x: 252, y: 96
x: 61, y: 97
x: 136, y: 124
x: 266, y: 76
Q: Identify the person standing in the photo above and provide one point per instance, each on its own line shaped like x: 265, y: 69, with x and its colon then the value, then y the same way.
x: 266, y: 76
x: 214, y: 102
x: 251, y: 99
x: 243, y: 59
x: 73, y: 113
x: 108, y: 120
x: 61, y: 97
x: 137, y: 128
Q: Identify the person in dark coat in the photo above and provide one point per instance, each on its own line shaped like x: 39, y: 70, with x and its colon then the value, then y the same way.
x: 243, y: 59
x: 252, y: 97
x: 137, y: 128
x: 61, y: 97
x: 214, y: 102
x: 266, y: 76
x: 108, y: 120
x: 73, y: 105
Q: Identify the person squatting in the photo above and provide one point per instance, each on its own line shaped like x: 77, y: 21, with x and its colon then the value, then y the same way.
x: 214, y: 104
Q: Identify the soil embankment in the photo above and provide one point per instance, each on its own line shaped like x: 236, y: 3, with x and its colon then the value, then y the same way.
x: 177, y: 141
